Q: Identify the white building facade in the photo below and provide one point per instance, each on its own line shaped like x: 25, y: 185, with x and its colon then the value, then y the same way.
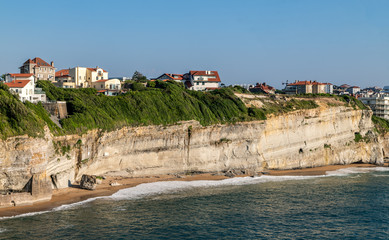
x: 379, y: 104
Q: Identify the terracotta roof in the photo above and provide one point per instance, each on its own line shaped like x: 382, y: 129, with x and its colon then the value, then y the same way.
x: 95, y: 69
x: 102, y: 80
x: 207, y: 73
x: 21, y: 74
x: 38, y: 61
x: 102, y: 91
x: 17, y: 83
x: 62, y: 73
x: 300, y: 83
x: 263, y: 87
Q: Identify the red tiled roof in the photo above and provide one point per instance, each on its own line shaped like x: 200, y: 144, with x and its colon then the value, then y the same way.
x: 204, y: 73
x: 264, y: 87
x: 95, y: 69
x: 62, y: 73
x: 102, y: 80
x: 102, y: 91
x: 38, y: 61
x: 21, y: 74
x: 300, y: 83
x: 17, y: 83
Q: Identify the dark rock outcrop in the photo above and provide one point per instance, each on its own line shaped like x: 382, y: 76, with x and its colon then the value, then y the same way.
x: 88, y: 182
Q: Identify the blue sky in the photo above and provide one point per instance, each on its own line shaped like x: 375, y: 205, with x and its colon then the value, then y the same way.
x: 343, y: 41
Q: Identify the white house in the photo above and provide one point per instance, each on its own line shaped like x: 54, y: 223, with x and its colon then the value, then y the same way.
x: 204, y: 80
x: 25, y: 89
x: 353, y: 90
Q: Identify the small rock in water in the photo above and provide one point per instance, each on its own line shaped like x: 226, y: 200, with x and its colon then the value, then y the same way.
x: 88, y: 182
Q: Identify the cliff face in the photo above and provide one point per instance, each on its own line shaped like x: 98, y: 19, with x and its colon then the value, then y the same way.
x: 305, y: 138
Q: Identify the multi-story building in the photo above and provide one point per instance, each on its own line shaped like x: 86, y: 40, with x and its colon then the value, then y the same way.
x: 109, y: 87
x: 353, y: 90
x: 63, y: 79
x: 80, y: 77
x: 305, y: 87
x: 203, y: 80
x: 27, y: 91
x: 39, y: 68
x: 379, y: 104
x: 195, y: 80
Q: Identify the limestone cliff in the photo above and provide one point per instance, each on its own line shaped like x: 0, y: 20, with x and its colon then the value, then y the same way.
x: 299, y: 139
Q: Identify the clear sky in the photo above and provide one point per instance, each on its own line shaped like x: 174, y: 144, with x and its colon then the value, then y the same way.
x: 341, y: 41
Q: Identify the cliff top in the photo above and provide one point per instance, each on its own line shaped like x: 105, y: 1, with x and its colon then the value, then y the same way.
x: 159, y: 103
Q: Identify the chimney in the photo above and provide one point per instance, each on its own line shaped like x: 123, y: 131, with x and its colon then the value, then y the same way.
x: 52, y: 63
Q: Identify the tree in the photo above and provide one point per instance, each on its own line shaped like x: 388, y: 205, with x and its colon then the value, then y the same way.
x: 2, y: 77
x: 138, y: 77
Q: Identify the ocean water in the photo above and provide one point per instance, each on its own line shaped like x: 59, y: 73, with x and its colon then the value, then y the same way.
x: 349, y: 203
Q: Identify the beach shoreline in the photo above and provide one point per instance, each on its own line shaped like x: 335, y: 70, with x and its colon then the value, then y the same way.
x: 75, y: 194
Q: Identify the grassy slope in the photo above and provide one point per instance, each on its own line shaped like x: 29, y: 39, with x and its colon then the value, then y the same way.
x: 162, y: 103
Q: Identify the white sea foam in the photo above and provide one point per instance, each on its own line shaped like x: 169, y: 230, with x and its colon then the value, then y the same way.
x: 149, y: 189
x: 354, y: 170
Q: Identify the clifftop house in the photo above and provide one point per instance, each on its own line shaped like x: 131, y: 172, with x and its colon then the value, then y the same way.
x: 195, y: 80
x: 39, y: 68
x: 304, y: 87
x: 23, y: 84
x: 262, y: 88
x: 80, y: 77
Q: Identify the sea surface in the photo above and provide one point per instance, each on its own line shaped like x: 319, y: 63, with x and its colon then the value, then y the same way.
x: 350, y: 203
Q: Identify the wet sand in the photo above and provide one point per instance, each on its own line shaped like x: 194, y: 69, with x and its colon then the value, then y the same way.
x: 75, y: 194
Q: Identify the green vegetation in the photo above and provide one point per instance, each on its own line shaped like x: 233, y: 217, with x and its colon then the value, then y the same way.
x: 156, y: 103
x: 381, y: 124
x: 358, y: 137
x: 327, y: 145
x: 166, y: 103
x: 276, y: 107
x: 346, y: 99
x: 17, y: 118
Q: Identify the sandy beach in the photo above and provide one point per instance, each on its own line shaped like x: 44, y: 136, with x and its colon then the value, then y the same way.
x: 76, y: 194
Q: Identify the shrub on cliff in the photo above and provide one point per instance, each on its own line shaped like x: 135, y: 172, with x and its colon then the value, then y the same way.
x: 17, y: 118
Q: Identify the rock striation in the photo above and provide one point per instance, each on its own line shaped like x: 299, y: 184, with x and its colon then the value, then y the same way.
x: 299, y: 139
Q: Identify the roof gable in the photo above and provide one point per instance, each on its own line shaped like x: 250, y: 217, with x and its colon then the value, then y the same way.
x: 207, y: 73
x: 18, y: 83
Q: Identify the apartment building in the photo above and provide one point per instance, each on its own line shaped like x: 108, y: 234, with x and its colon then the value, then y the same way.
x: 379, y: 104
x: 39, y: 68
x: 80, y: 77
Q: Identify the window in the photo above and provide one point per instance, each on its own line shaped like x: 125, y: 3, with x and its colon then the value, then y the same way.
x: 102, y: 85
x: 197, y: 83
x: 97, y: 78
x: 203, y: 83
x: 79, y: 77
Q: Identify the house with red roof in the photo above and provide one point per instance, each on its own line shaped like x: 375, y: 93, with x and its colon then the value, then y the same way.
x: 305, y: 87
x: 203, y: 80
x: 171, y: 76
x: 19, y: 76
x: 26, y: 91
x: 262, y: 88
x: 108, y: 87
x: 39, y: 68
x: 79, y: 77
x: 195, y: 80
